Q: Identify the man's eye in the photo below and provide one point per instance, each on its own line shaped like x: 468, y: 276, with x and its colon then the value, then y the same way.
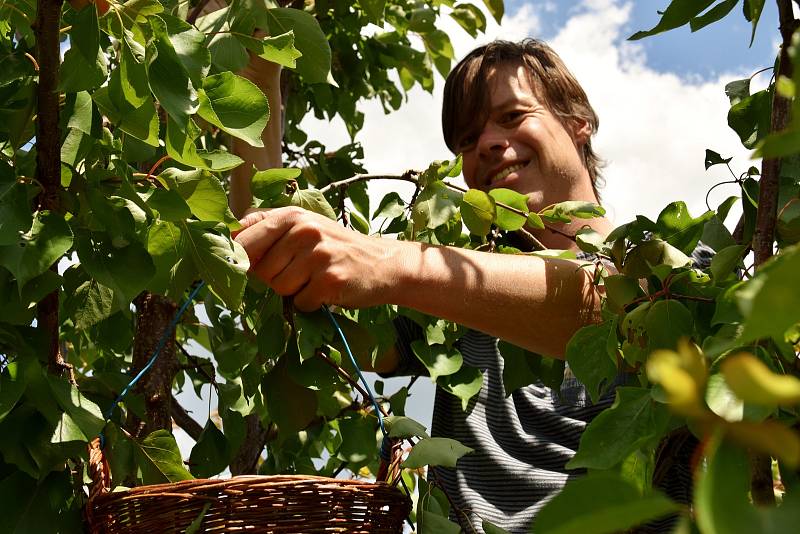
x: 511, y: 116
x: 467, y: 142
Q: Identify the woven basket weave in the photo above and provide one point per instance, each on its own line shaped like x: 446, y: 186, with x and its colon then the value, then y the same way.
x: 251, y: 504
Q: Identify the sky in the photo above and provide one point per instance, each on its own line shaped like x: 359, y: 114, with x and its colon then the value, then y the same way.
x: 661, y: 103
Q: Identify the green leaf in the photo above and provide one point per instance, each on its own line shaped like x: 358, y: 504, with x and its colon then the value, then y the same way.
x: 496, y: 9
x: 279, y: 49
x: 678, y: 228
x: 202, y: 192
x: 725, y: 261
x: 713, y: 158
x: 600, y: 504
x: 403, y: 427
x: 12, y: 386
x: 91, y: 303
x: 589, y: 240
x: 752, y: 12
x: 490, y: 528
x: 35, y: 251
x: 478, y: 211
x: 358, y: 439
x: 32, y: 506
x: 678, y: 13
x: 565, y: 211
x: 314, y: 331
x: 750, y: 118
x: 435, y: 206
x: 81, y: 116
x: 132, y: 73
x: 85, y: 65
x: 633, y: 421
x: 291, y: 406
x: 506, y: 219
x: 464, y: 384
x: 271, y: 183
x: 190, y: 46
x: 589, y: 360
x: 85, y: 414
x: 712, y: 15
x: 435, y: 451
x: 621, y: 291
x: 374, y: 10
x: 221, y: 262
x: 315, y: 64
x: 159, y: 459
x: 169, y: 204
x: 181, y: 147
x: 667, y: 322
x: 438, y: 359
x: 769, y: 306
x: 519, y: 367
x: 641, y: 259
x: 172, y: 258
x: 391, y: 206
x: 433, y: 523
x: 15, y: 213
x: 211, y: 453
x: 141, y: 122
x: 236, y: 105
x: 469, y: 17
x: 125, y: 270
x: 313, y: 200
x: 168, y: 78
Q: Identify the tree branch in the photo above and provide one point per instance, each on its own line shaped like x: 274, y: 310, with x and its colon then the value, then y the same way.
x: 48, y: 156
x: 764, y: 234
x: 182, y: 418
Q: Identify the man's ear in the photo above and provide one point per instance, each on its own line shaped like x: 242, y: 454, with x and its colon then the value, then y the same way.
x: 580, y: 130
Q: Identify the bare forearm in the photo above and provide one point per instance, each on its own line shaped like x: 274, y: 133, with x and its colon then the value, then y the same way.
x: 266, y: 76
x: 532, y: 302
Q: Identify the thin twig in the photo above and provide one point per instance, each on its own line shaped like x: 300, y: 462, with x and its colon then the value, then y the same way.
x: 366, y: 177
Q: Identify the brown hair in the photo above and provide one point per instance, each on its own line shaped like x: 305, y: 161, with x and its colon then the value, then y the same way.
x: 466, y: 92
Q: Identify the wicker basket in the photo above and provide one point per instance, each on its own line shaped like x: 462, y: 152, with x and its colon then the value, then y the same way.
x: 251, y: 504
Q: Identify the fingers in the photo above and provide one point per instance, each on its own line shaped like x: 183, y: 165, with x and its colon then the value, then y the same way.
x: 262, y: 229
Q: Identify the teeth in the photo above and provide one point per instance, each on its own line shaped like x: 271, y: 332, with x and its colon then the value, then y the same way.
x: 505, y: 172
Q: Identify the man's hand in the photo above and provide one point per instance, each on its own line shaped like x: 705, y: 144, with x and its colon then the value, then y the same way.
x: 302, y: 254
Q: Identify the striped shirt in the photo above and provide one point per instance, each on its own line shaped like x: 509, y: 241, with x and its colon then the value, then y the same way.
x: 521, y: 442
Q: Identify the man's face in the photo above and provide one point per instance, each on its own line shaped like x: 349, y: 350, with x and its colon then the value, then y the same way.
x: 523, y: 146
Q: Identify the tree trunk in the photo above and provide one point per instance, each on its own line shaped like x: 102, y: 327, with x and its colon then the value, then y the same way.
x: 154, y: 313
x: 246, y: 460
x: 48, y: 155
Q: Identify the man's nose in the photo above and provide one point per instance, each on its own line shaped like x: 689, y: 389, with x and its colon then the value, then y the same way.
x: 492, y: 140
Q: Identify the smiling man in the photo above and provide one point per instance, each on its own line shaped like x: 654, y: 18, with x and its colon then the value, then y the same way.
x: 520, y: 121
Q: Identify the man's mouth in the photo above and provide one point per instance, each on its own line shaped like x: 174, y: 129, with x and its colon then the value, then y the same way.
x: 505, y: 172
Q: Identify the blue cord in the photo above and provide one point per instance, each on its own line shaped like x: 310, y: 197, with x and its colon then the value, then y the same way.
x: 358, y: 369
x: 152, y: 360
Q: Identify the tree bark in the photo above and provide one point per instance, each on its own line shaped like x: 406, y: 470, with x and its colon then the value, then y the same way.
x: 764, y: 235
x: 154, y: 313
x: 246, y: 460
x: 48, y: 156
x: 185, y: 421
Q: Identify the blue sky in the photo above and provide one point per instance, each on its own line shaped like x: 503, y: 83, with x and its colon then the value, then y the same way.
x: 720, y: 47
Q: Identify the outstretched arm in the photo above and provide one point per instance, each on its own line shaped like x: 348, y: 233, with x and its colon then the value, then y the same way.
x: 266, y: 75
x: 530, y: 301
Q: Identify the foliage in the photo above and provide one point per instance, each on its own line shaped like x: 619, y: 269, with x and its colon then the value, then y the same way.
x: 149, y: 102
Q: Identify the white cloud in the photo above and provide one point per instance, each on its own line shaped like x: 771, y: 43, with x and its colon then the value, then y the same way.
x: 654, y: 125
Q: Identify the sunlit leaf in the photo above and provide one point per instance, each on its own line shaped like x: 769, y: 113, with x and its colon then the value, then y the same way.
x: 435, y: 451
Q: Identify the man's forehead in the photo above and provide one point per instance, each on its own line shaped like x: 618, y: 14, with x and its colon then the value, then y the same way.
x: 510, y: 83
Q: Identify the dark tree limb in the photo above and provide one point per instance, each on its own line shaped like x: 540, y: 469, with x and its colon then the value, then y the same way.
x: 154, y: 314
x: 246, y: 460
x: 182, y: 418
x: 761, y: 485
x: 48, y: 157
x: 764, y: 235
